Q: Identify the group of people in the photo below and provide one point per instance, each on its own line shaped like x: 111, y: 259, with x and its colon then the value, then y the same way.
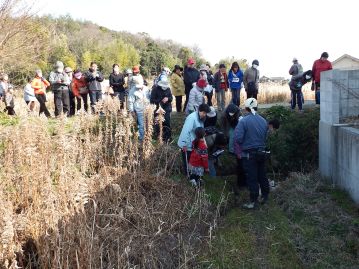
x: 203, y: 140
x: 71, y: 89
x: 300, y: 78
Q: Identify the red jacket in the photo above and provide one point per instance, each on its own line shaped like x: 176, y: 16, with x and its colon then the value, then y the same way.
x: 319, y: 66
x: 199, y: 155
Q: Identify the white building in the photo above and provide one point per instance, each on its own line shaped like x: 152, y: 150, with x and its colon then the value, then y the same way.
x: 346, y: 62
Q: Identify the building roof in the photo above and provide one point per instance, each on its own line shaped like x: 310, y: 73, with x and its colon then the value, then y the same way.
x: 345, y: 56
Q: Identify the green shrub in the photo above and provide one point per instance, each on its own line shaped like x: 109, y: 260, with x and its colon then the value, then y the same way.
x: 294, y: 146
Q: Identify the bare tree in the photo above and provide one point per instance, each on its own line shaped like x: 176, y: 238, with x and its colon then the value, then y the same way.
x: 21, y: 35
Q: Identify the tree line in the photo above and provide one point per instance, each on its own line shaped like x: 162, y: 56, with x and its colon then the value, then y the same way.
x: 28, y: 42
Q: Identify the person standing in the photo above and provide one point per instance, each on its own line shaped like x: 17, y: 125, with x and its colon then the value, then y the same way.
x: 198, y: 161
x: 191, y: 75
x: 251, y: 80
x: 187, y: 136
x: 60, y: 82
x: 117, y: 82
x: 29, y: 95
x: 235, y: 79
x: 177, y: 86
x: 39, y: 84
x: 8, y: 94
x: 68, y: 70
x: 296, y: 68
x: 221, y: 86
x: 319, y: 66
x: 162, y: 97
x: 208, y: 91
x: 80, y: 90
x: 138, y: 100
x: 94, y: 78
x: 251, y: 137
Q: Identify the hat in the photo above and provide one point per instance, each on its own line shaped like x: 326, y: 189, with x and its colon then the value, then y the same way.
x: 232, y: 109
x: 138, y: 81
x: 163, y: 82
x: 68, y: 69
x: 222, y: 66
x: 177, y: 67
x: 255, y: 62
x: 212, y: 112
x: 59, y: 64
x: 202, y: 83
x: 251, y: 103
x: 136, y: 69
x: 191, y: 61
x: 203, y: 67
x: 295, y: 60
x: 324, y: 55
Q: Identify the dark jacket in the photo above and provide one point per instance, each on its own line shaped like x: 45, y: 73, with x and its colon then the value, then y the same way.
x: 297, y: 82
x: 117, y: 81
x: 217, y: 81
x: 94, y: 81
x: 190, y: 76
x: 158, y: 94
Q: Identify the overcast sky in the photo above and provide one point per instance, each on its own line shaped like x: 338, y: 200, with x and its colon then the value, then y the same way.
x: 271, y: 31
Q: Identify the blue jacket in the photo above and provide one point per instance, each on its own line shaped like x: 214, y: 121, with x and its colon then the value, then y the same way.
x: 252, y: 132
x: 187, y: 135
x: 235, y: 80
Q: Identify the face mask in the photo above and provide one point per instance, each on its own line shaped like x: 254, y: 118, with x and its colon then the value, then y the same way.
x: 78, y: 76
x: 255, y: 66
x: 60, y: 70
x: 308, y: 77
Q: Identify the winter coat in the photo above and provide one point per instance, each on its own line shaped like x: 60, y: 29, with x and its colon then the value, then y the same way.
x: 29, y: 94
x: 187, y: 135
x: 217, y: 81
x: 158, y: 94
x: 251, y: 75
x: 177, y: 85
x: 195, y: 99
x: 79, y: 86
x: 94, y: 81
x: 138, y: 99
x: 54, y: 79
x: 199, y: 155
x: 190, y: 76
x: 320, y: 66
x: 39, y: 85
x: 235, y: 80
x: 117, y: 81
x: 252, y: 132
x: 295, y: 69
x: 297, y: 82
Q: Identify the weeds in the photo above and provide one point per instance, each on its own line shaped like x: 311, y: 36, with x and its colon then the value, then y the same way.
x: 83, y: 193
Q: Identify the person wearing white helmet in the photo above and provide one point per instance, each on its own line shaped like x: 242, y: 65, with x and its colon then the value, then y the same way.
x: 60, y: 82
x: 251, y: 134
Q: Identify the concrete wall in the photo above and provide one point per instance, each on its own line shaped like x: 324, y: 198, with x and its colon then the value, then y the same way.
x: 339, y: 145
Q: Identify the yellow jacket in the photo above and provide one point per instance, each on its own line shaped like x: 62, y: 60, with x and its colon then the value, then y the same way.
x: 177, y: 85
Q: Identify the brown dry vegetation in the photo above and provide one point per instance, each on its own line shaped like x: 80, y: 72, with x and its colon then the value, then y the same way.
x: 82, y: 193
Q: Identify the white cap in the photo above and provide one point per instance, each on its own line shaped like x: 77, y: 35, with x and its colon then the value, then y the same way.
x: 251, y: 103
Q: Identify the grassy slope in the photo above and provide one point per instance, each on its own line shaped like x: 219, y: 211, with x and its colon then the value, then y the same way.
x: 307, y: 224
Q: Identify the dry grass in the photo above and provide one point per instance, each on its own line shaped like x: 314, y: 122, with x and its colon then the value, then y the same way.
x: 82, y: 193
